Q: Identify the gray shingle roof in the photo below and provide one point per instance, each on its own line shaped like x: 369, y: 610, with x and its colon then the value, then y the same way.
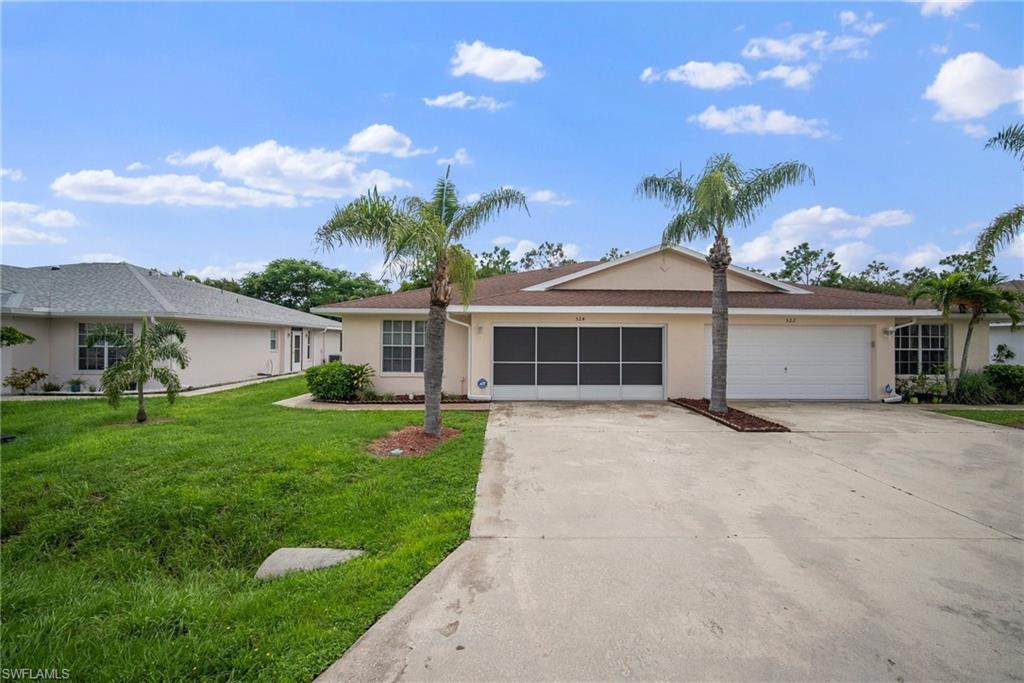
x: 121, y: 289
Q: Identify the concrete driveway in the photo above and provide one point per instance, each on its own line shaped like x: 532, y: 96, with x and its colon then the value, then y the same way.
x: 641, y: 541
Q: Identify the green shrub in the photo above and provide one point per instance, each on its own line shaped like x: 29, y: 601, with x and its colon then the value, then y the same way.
x: 51, y: 387
x: 23, y: 381
x: 1008, y: 381
x: 338, y: 381
x: 976, y: 389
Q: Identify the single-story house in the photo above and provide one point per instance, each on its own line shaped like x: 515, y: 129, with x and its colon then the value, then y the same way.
x: 1002, y: 333
x: 229, y: 337
x: 639, y: 327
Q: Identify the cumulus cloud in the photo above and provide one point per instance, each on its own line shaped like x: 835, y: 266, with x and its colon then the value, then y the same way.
x: 975, y: 130
x: 382, y: 138
x: 548, y: 197
x: 866, y: 24
x: 972, y: 85
x: 817, y: 224
x: 751, y: 118
x: 460, y: 158
x: 495, y: 64
x: 797, y: 46
x: 472, y: 197
x: 926, y: 255
x: 791, y: 76
x: 702, y: 75
x: 521, y: 246
x: 460, y: 100
x: 943, y: 8
x: 13, y: 174
x: 136, y: 166
x: 100, y: 257
x: 853, y: 256
x: 107, y: 187
x: 21, y: 221
x: 234, y: 270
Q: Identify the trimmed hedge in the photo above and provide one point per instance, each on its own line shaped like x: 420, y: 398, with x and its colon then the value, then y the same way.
x: 1008, y: 381
x: 337, y: 381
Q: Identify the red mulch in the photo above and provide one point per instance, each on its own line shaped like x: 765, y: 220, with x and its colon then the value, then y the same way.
x: 411, y: 440
x: 736, y: 419
x: 418, y: 398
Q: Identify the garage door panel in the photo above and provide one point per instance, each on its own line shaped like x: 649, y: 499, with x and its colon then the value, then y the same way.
x: 514, y: 373
x: 556, y: 374
x: 514, y: 344
x: 599, y: 373
x: 810, y: 362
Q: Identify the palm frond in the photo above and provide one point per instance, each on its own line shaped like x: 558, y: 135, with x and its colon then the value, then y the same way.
x: 686, y: 226
x: 471, y: 217
x: 671, y: 189
x: 169, y: 379
x: 367, y: 220
x: 462, y: 272
x: 106, y: 333
x: 165, y: 329
x: 760, y: 185
x: 1003, y: 230
x: 1009, y: 139
x: 168, y: 349
x: 115, y: 380
x: 445, y: 200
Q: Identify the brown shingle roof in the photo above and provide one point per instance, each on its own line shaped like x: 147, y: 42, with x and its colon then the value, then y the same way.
x: 507, y: 290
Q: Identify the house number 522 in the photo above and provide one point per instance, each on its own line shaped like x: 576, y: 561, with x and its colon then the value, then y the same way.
x: 790, y: 320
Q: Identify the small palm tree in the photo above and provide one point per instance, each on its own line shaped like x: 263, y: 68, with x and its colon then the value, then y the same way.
x: 943, y: 291
x: 428, y: 232
x: 1006, y: 226
x: 160, y: 342
x: 721, y: 197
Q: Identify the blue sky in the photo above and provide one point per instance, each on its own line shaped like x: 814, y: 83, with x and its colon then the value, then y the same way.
x: 217, y: 137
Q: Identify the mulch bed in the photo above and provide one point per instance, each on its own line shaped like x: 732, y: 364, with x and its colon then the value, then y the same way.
x: 736, y: 419
x: 393, y: 401
x: 411, y: 441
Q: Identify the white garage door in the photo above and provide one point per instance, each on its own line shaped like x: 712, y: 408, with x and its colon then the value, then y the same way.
x: 786, y: 361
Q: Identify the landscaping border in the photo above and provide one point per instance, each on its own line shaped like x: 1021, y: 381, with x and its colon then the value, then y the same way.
x: 739, y: 420
x: 418, y: 399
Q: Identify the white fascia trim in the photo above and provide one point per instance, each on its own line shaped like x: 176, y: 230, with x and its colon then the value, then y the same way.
x: 668, y: 310
x: 46, y: 313
x: 340, y: 312
x: 544, y: 286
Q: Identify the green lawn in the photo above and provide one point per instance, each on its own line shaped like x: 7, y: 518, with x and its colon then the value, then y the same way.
x: 1010, y: 418
x: 129, y: 551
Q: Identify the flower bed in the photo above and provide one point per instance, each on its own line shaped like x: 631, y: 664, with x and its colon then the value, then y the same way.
x: 417, y: 399
x: 735, y: 419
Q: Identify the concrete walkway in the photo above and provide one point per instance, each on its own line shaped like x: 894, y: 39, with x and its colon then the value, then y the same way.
x: 642, y: 541
x: 216, y: 388
x: 306, y: 401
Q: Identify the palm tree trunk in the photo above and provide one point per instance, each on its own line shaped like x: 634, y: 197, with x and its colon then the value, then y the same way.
x: 433, y: 369
x: 967, y: 344
x: 948, y: 365
x: 719, y: 259
x: 141, y: 415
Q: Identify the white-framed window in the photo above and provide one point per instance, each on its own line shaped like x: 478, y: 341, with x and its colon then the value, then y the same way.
x: 402, y: 344
x: 920, y: 349
x: 273, y: 339
x: 102, y: 355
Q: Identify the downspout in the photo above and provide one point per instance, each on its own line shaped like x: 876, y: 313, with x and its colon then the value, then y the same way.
x: 469, y: 359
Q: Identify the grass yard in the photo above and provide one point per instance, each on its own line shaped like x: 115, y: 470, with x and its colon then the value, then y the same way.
x: 1009, y: 418
x: 129, y: 551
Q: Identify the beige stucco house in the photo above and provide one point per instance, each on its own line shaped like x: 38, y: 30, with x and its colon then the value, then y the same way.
x: 639, y: 327
x: 230, y: 337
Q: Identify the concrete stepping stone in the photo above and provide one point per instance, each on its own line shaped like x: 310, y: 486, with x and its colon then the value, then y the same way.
x: 284, y: 560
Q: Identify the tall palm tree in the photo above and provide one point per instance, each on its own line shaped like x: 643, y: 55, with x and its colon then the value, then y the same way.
x: 162, y: 341
x: 1006, y: 226
x: 425, y: 231
x: 723, y: 196
x: 943, y: 291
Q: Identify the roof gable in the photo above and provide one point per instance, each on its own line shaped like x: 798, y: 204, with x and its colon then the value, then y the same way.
x: 670, y: 268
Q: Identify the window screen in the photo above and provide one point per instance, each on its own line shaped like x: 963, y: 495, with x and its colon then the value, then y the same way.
x: 556, y: 344
x: 641, y: 344
x: 551, y: 374
x: 402, y: 344
x: 514, y: 344
x: 599, y: 344
x: 514, y: 373
x: 599, y: 373
x: 641, y: 373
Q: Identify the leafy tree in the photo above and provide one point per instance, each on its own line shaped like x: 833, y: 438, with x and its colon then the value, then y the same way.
x: 418, y: 276
x: 723, y: 196
x: 547, y: 255
x: 426, y: 231
x: 162, y: 341
x: 185, y: 276
x: 876, y: 277
x: 302, y: 284
x: 613, y: 254
x: 911, y: 278
x: 225, y: 283
x: 12, y: 336
x: 497, y: 261
x: 968, y: 262
x: 809, y: 266
x: 1006, y: 227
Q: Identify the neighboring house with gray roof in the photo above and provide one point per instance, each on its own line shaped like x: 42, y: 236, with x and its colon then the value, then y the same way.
x: 230, y: 337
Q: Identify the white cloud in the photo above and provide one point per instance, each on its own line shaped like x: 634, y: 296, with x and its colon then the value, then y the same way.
x: 548, y: 197
x: 703, y: 75
x: 13, y: 174
x: 136, y: 166
x: 796, y: 46
x: 853, y: 256
x: 1016, y: 247
x: 186, y: 190
x: 460, y: 158
x: 502, y: 240
x: 20, y: 223
x: 972, y: 85
x: 927, y: 256
x: 752, y: 118
x: 495, y: 64
x: 943, y: 8
x: 791, y: 76
x: 975, y: 130
x: 460, y: 100
x: 847, y: 18
x: 819, y: 225
x: 100, y: 257
x: 863, y: 24
x: 382, y: 138
x: 570, y: 249
x: 472, y: 197
x: 234, y: 270
x: 938, y: 49
x: 273, y: 167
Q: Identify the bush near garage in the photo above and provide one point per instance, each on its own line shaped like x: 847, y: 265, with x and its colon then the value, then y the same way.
x: 336, y: 381
x: 1008, y: 381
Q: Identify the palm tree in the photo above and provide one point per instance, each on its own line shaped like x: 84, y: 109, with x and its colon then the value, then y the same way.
x: 1006, y: 226
x: 428, y: 232
x: 721, y: 197
x: 159, y: 342
x: 943, y: 291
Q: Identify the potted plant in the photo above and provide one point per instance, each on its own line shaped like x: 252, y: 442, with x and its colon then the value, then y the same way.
x: 921, y: 388
x: 92, y: 388
x: 75, y: 384
x: 937, y: 389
